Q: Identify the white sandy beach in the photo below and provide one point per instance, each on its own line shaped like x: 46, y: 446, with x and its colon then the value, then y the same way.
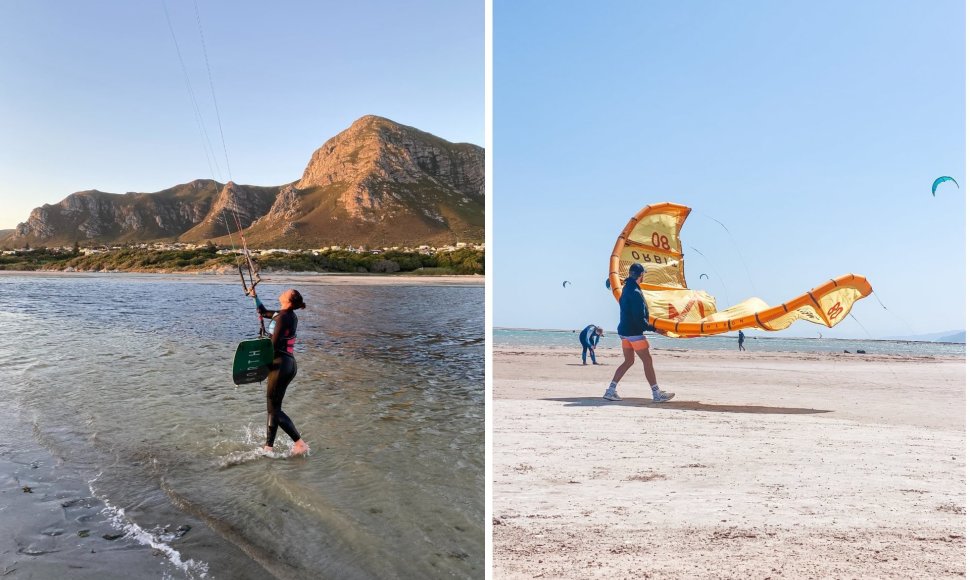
x: 765, y: 465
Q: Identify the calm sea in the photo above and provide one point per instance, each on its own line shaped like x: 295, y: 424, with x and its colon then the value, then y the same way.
x: 507, y: 337
x: 126, y: 380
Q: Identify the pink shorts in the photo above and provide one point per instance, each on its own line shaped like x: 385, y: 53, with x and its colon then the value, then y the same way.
x: 635, y: 342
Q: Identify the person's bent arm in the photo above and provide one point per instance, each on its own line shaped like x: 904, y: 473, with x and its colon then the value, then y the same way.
x: 263, y: 311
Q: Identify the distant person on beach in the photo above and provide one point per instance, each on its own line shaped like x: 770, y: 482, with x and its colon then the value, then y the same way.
x: 589, y: 337
x: 741, y: 341
x: 633, y: 323
x: 283, y: 369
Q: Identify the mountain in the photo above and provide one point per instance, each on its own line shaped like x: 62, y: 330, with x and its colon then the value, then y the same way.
x: 955, y: 337
x: 947, y: 336
x: 377, y: 183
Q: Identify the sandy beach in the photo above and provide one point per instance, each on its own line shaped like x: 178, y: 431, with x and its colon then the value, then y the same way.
x: 230, y: 276
x: 765, y: 465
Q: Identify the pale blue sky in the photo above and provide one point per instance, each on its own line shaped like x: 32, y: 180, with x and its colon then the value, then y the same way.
x: 812, y: 130
x: 92, y: 95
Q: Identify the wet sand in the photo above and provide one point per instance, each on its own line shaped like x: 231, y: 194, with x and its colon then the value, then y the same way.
x: 53, y: 526
x: 765, y: 465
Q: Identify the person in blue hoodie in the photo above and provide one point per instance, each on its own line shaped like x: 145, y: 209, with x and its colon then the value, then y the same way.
x: 633, y: 323
x: 589, y: 337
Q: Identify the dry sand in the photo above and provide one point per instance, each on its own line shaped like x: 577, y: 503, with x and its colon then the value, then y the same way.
x: 765, y: 465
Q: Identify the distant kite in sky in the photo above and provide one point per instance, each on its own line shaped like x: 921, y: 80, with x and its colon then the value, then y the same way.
x: 566, y: 282
x: 704, y: 276
x: 942, y: 179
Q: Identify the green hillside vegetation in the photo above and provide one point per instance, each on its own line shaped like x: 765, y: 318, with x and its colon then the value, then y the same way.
x: 462, y: 261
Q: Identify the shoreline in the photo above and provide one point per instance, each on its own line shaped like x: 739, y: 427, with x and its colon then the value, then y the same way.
x: 615, y: 354
x: 55, y: 522
x: 730, y: 338
x: 282, y: 277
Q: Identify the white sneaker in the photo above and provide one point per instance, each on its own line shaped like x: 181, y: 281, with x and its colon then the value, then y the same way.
x: 610, y: 395
x: 662, y: 396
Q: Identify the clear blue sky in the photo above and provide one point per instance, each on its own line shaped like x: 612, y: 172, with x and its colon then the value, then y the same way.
x: 92, y: 95
x: 812, y: 130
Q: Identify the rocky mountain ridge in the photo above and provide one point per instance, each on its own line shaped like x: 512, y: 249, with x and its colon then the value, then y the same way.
x: 376, y: 183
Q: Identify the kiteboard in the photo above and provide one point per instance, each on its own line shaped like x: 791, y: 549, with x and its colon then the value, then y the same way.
x: 252, y: 360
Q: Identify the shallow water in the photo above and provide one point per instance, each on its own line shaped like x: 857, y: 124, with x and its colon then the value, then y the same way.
x: 518, y: 337
x: 126, y: 379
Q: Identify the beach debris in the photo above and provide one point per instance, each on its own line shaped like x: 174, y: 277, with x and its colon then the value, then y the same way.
x: 646, y: 476
x: 27, y: 489
x: 112, y: 537
x: 652, y: 240
x: 943, y: 179
x: 182, y: 530
x: 83, y: 533
x: 860, y: 352
x: 846, y: 352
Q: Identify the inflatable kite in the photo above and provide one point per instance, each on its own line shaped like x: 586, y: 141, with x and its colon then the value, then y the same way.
x: 942, y: 179
x: 652, y: 238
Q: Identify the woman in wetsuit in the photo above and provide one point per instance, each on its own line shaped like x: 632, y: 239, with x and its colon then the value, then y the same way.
x: 282, y: 370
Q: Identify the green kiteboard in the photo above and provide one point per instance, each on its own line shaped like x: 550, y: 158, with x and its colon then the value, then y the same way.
x: 252, y: 360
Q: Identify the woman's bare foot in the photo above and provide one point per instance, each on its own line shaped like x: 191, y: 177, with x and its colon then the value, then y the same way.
x: 267, y: 449
x: 299, y: 448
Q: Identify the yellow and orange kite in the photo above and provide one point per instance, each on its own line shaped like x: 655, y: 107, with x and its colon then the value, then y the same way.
x: 652, y: 238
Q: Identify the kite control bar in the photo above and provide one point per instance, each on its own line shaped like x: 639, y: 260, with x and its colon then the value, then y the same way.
x: 253, y: 274
x: 253, y: 271
x: 250, y: 289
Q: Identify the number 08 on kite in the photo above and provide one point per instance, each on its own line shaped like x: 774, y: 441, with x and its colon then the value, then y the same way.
x: 652, y: 238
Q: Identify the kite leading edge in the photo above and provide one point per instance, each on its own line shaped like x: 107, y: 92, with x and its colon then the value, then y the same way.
x: 652, y: 238
x: 941, y: 179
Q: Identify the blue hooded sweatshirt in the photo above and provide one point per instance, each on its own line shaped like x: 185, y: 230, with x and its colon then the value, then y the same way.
x: 633, y: 310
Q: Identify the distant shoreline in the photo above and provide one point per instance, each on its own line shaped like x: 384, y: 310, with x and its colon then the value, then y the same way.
x: 281, y: 277
x: 732, y: 337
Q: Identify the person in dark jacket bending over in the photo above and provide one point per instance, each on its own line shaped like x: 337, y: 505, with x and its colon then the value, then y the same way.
x: 589, y: 337
x: 633, y: 323
x: 283, y: 369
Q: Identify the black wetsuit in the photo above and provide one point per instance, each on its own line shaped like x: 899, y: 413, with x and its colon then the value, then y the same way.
x: 281, y: 373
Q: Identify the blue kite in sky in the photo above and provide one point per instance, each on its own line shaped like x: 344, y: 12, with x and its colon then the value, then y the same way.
x: 940, y: 180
